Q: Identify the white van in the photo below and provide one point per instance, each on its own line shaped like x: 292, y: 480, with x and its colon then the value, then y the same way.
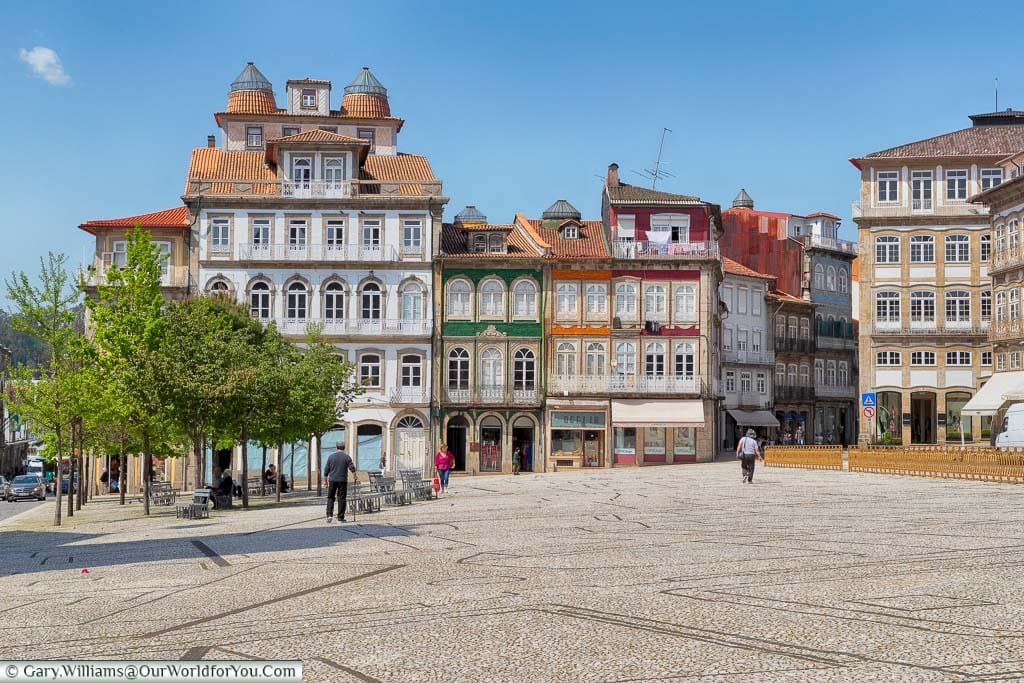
x: 1011, y: 433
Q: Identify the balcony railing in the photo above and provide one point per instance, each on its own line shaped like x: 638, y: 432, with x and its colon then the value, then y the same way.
x: 790, y: 392
x: 749, y: 357
x: 628, y: 249
x: 315, y: 252
x: 314, y: 189
x: 929, y: 329
x: 93, y: 277
x: 384, y: 326
x: 794, y: 345
x: 409, y: 395
x: 1007, y: 329
x: 1008, y: 258
x: 920, y: 208
x: 819, y: 242
x: 625, y: 384
x: 834, y: 391
x: 496, y: 394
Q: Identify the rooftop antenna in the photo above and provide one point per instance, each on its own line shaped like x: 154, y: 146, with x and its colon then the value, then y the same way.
x: 997, y: 94
x: 655, y: 174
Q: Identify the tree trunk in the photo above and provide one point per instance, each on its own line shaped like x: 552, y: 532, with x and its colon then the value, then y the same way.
x: 263, y: 483
x: 309, y: 465
x: 245, y: 467
x: 124, y: 473
x: 58, y: 477
x: 78, y: 465
x: 319, y: 467
x: 291, y: 467
x: 197, y: 458
x: 147, y: 472
x: 280, y: 463
x: 71, y: 473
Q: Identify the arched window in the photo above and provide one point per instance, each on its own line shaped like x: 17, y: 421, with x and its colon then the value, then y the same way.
x: 566, y: 299
x: 625, y: 358
x: 491, y: 375
x: 625, y: 301
x: 479, y: 242
x: 409, y: 422
x: 805, y: 375
x: 654, y: 359
x: 958, y: 249
x: 219, y: 288
x: 334, y: 174
x: 1000, y: 306
x: 370, y: 302
x: 259, y: 301
x: 819, y: 372
x: 805, y: 328
x: 922, y: 307
x: 654, y: 302
x: 597, y: 300
x: 887, y: 307
x: 296, y: 301
x: 958, y: 306
x: 412, y: 301
x: 792, y: 327
x: 524, y: 371
x: 844, y: 281
x: 986, y: 305
x: 496, y: 243
x: 819, y: 276
x: 369, y: 370
x: 524, y: 295
x: 830, y: 375
x: 685, y: 364
x: 844, y: 375
x: 830, y: 279
x: 302, y: 172
x: 1000, y: 237
x: 334, y: 301
x: 791, y: 375
x: 492, y: 299
x: 986, y: 246
x: 459, y: 294
x: 412, y: 370
x: 458, y: 369
x: 685, y: 303
x: 780, y: 326
x: 922, y: 249
x: 1013, y: 304
x: 1012, y: 235
x: 565, y: 359
x: 780, y: 373
x: 595, y: 361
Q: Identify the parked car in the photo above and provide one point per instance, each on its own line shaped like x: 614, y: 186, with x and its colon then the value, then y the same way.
x: 26, y: 486
x: 5, y: 487
x: 65, y: 481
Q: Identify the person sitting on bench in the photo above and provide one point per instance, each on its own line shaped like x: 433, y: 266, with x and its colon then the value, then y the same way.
x: 270, y: 478
x: 223, y: 485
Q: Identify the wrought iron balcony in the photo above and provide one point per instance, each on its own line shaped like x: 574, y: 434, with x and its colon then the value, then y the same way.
x: 625, y: 384
x: 316, y: 252
x: 358, y: 326
x: 1008, y: 257
x: 926, y: 207
x: 629, y: 249
x: 841, y: 246
x: 409, y: 395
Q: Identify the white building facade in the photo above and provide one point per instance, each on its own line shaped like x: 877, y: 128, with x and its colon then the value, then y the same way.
x: 309, y: 215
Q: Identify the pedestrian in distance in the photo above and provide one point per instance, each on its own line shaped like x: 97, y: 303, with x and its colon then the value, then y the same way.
x: 748, y: 451
x: 336, y: 470
x: 444, y: 463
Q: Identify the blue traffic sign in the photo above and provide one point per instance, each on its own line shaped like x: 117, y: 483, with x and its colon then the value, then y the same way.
x: 868, y: 399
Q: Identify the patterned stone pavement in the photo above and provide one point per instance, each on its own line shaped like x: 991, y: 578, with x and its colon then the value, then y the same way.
x: 659, y: 574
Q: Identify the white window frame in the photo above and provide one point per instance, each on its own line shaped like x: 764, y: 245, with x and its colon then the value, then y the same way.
x: 922, y: 191
x: 887, y: 249
x: 412, y: 235
x: 459, y: 300
x: 957, y: 248
x: 888, y: 358
x: 956, y: 186
x: 566, y: 300
x: 922, y: 358
x: 922, y: 246
x: 492, y: 299
x: 888, y: 183
x: 596, y: 296
x: 524, y: 299
x: 988, y: 175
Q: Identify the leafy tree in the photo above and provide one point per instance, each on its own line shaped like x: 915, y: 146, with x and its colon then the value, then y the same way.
x: 44, y: 395
x: 129, y: 329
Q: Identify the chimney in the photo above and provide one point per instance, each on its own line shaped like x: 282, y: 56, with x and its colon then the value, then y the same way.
x: 211, y: 140
x: 613, y: 175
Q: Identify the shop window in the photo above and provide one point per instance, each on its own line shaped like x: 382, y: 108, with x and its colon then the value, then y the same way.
x: 654, y: 441
x: 956, y: 423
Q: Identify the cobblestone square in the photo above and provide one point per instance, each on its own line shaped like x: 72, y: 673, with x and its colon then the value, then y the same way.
x: 669, y: 573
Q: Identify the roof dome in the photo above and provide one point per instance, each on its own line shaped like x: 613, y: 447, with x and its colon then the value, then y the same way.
x: 470, y: 215
x: 561, y: 209
x: 366, y: 97
x: 251, y: 93
x: 743, y: 201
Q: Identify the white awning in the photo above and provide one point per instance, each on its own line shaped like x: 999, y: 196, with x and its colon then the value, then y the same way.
x: 991, y: 397
x: 641, y: 413
x: 754, y: 418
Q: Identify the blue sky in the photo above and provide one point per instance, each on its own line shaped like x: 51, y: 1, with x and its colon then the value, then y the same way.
x: 515, y: 104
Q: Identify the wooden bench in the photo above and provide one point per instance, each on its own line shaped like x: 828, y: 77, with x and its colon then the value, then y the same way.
x: 198, y: 508
x: 418, y: 487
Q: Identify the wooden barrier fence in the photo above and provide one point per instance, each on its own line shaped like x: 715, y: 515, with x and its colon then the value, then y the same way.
x: 804, y: 457
x: 956, y: 462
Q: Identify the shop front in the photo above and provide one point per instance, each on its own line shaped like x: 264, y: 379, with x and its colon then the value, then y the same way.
x: 793, y: 425
x: 656, y: 432
x: 578, y: 434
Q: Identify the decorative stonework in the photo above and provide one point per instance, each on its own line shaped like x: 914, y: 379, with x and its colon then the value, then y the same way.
x: 492, y: 333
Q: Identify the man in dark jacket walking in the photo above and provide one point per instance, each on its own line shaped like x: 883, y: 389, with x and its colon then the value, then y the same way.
x: 336, y: 470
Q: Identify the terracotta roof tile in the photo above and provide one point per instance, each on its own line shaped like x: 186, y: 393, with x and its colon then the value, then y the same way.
x: 213, y: 163
x: 317, y: 135
x: 168, y: 218
x: 736, y: 268
x: 589, y: 245
x: 251, y: 102
x: 520, y: 245
x: 365, y: 105
x: 822, y: 214
x: 631, y: 194
x: 973, y: 141
x: 392, y: 167
x: 788, y: 298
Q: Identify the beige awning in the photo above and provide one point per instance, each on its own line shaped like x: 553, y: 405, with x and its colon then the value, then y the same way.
x: 997, y: 390
x: 754, y: 418
x: 641, y: 413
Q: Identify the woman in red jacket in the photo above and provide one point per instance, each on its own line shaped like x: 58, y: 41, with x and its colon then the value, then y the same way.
x: 444, y: 462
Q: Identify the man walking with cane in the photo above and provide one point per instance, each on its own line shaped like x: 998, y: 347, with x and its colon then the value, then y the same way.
x: 336, y: 470
x: 748, y: 450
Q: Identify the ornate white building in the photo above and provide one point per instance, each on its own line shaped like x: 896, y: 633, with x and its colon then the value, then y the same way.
x: 309, y: 214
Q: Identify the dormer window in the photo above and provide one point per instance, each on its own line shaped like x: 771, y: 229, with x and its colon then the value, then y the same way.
x: 368, y: 134
x: 308, y: 98
x: 496, y: 243
x: 480, y: 243
x: 571, y: 232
